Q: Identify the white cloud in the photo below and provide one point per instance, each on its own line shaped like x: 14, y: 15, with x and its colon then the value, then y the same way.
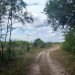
x: 39, y: 28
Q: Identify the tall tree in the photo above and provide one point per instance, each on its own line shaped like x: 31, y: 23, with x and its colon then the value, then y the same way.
x: 16, y: 10
x: 61, y: 13
x: 2, y: 13
x: 9, y: 11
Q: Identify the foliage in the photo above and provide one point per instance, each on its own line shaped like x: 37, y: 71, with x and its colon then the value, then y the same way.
x: 48, y: 44
x: 69, y: 43
x: 11, y: 11
x: 39, y: 43
x: 67, y: 59
x: 21, y: 63
x: 61, y: 13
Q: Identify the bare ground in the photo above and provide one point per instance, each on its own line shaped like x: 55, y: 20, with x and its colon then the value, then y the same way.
x: 44, y: 65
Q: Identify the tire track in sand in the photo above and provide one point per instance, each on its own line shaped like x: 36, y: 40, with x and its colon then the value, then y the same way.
x: 43, y: 64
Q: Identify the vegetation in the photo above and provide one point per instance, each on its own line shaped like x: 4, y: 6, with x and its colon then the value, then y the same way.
x: 69, y: 43
x: 61, y: 14
x: 39, y: 43
x: 23, y: 53
x: 66, y: 59
x: 16, y: 56
x: 11, y: 11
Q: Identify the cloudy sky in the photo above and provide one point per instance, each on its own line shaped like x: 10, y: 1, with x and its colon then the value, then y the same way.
x: 39, y: 28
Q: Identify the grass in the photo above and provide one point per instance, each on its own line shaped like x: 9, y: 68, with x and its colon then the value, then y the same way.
x: 66, y: 59
x: 21, y: 64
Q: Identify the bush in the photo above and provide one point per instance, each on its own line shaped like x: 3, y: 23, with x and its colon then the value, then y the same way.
x: 39, y: 43
x: 8, y: 56
x: 69, y: 43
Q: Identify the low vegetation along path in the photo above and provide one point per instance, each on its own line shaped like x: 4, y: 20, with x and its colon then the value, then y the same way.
x: 43, y: 64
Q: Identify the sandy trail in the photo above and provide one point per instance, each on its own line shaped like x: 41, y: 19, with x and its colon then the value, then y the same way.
x: 43, y: 64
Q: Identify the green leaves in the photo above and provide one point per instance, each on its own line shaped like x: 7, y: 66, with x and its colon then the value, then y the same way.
x: 69, y: 43
x: 11, y: 11
x: 62, y: 11
x: 39, y: 43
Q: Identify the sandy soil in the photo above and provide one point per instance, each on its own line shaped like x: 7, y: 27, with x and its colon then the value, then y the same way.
x: 44, y: 65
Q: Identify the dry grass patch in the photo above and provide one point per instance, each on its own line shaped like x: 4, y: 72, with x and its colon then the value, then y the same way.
x: 66, y: 59
x: 19, y: 66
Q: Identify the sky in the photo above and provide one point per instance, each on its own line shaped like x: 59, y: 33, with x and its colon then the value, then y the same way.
x: 39, y: 28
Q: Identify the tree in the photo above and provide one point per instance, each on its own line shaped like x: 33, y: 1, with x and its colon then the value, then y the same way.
x: 61, y: 13
x: 15, y: 11
x: 38, y: 43
x: 11, y: 10
x: 2, y: 13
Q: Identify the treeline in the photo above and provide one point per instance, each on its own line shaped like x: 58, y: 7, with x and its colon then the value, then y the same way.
x: 18, y: 48
x: 38, y: 43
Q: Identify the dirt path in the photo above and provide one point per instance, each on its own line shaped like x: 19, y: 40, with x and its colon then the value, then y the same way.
x: 43, y: 65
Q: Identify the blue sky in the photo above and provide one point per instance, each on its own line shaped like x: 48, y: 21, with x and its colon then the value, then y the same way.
x: 39, y: 28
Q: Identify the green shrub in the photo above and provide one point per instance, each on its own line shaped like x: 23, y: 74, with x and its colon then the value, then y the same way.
x: 8, y: 56
x: 39, y: 43
x: 69, y: 43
